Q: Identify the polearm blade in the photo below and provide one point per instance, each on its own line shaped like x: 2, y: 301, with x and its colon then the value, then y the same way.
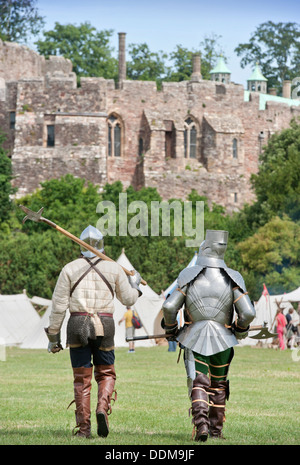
x: 38, y: 218
x: 263, y: 334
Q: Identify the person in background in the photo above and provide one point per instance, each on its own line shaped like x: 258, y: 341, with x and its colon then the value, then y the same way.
x: 129, y: 328
x: 281, y: 327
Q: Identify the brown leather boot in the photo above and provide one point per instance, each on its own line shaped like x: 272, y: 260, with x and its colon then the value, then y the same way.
x: 219, y: 391
x: 105, y: 377
x: 200, y: 405
x: 82, y: 392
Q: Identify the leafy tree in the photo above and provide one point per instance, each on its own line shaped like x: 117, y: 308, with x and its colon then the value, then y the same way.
x: 146, y: 65
x: 272, y: 254
x: 182, y: 68
x: 276, y: 47
x: 277, y: 183
x: 88, y: 49
x: 5, y: 182
x: 19, y: 19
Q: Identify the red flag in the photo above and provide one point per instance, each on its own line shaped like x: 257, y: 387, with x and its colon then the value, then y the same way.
x: 265, y: 291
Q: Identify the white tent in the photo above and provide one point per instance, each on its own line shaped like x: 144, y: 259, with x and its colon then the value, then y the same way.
x: 17, y: 318
x: 37, y: 338
x: 266, y: 308
x: 147, y: 306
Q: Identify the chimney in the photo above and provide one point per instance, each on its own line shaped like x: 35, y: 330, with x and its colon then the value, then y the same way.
x: 122, y: 58
x: 272, y: 91
x: 196, y: 76
x: 286, y: 89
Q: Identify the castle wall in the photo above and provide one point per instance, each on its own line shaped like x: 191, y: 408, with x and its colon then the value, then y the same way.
x: 152, y: 128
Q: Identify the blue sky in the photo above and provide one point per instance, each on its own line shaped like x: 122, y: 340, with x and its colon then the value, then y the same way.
x: 163, y: 24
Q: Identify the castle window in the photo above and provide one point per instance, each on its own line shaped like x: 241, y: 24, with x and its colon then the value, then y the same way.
x: 50, y: 135
x: 141, y: 146
x: 234, y: 148
x: 170, y: 139
x: 114, y: 136
x: 190, y: 139
x: 12, y: 119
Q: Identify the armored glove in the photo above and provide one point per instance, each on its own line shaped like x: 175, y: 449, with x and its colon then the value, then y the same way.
x: 54, y: 344
x: 240, y: 333
x: 171, y: 330
x: 135, y: 280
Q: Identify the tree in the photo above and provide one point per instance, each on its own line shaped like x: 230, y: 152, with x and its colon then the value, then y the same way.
x: 19, y: 19
x: 277, y: 183
x: 182, y: 68
x: 87, y: 48
x: 146, y: 65
x: 276, y: 47
x: 5, y: 183
x: 272, y: 256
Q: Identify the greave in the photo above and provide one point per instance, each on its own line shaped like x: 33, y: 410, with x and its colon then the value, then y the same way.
x: 200, y: 405
x: 82, y: 392
x: 219, y: 392
x: 105, y: 377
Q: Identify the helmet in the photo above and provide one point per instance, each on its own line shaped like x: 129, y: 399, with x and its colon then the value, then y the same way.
x: 215, y: 244
x: 93, y: 237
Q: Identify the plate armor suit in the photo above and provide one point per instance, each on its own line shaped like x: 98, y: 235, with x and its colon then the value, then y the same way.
x: 211, y: 294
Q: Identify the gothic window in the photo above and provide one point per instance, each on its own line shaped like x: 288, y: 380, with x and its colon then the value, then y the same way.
x: 190, y: 138
x: 50, y: 135
x: 234, y: 148
x: 114, y: 136
x: 12, y: 119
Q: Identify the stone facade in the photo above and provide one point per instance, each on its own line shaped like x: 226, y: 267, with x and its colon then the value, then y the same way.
x: 196, y: 134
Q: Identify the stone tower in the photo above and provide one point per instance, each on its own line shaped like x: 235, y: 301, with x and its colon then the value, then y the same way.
x: 257, y: 82
x: 220, y: 72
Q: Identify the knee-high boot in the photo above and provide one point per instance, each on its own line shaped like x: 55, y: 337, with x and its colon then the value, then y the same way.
x: 105, y: 377
x: 219, y: 392
x: 82, y: 392
x: 200, y: 404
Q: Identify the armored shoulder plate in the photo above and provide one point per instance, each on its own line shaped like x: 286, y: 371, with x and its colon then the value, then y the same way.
x: 188, y: 274
x: 236, y: 278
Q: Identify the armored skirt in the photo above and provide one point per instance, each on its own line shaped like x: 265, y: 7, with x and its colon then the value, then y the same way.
x: 207, y: 337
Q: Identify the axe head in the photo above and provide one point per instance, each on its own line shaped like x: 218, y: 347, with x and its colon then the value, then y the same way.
x: 31, y: 215
x: 263, y: 334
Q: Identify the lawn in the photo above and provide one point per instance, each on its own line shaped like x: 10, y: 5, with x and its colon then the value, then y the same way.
x: 152, y: 405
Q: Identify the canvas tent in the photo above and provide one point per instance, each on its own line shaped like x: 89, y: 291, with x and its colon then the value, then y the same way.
x: 266, y: 308
x: 17, y: 318
x: 37, y: 338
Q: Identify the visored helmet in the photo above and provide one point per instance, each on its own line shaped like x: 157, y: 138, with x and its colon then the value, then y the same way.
x: 215, y: 244
x: 93, y: 237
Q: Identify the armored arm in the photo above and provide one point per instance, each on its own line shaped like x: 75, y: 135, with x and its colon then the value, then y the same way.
x: 171, y: 307
x: 245, y: 311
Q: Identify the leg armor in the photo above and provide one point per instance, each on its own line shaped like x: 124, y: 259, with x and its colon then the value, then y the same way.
x: 219, y: 393
x: 200, y: 405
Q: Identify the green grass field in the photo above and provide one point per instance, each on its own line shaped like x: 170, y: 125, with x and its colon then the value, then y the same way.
x: 152, y: 405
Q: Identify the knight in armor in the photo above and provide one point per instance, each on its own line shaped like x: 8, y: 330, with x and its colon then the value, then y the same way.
x: 87, y: 286
x: 218, y: 313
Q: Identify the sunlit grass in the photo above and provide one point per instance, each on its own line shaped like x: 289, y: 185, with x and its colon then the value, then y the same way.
x: 152, y: 404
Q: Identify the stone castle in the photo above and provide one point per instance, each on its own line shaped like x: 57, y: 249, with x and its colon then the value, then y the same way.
x: 195, y: 134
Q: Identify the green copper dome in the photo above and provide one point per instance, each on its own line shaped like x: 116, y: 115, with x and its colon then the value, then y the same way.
x: 257, y: 75
x: 220, y: 67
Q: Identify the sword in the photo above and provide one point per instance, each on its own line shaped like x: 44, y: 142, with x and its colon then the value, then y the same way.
x: 38, y: 218
x: 263, y: 334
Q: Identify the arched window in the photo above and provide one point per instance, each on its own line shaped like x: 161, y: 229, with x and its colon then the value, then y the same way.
x: 234, y: 148
x: 190, y: 138
x: 114, y: 136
